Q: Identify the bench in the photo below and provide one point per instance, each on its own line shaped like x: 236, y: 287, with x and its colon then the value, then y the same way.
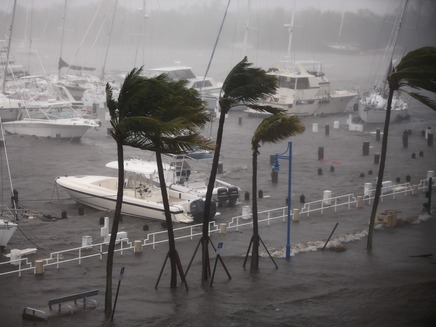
x: 74, y: 297
x: 41, y: 314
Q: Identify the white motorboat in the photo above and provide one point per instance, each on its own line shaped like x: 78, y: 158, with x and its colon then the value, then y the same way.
x: 7, y: 229
x: 180, y: 177
x: 54, y: 119
x: 303, y: 89
x: 141, y: 199
x: 208, y: 88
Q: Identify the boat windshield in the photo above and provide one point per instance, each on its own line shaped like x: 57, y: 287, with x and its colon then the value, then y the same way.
x: 54, y: 112
x: 181, y: 74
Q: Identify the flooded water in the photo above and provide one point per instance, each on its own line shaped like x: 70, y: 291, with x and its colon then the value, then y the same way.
x: 393, y: 285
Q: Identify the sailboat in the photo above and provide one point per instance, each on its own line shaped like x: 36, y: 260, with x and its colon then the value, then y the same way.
x: 372, y: 106
x: 303, y: 88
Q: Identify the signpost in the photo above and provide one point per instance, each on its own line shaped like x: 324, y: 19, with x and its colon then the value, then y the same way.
x: 118, y: 289
x: 218, y: 250
x: 276, y: 166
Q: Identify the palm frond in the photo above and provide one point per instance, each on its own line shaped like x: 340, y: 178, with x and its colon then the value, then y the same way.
x: 429, y: 102
x: 245, y: 84
x: 276, y: 128
x: 265, y: 108
x: 417, y: 69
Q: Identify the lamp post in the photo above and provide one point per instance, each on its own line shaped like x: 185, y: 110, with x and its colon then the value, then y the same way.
x: 276, y: 167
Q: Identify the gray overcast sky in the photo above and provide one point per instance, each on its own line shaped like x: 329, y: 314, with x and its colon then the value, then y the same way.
x: 380, y: 6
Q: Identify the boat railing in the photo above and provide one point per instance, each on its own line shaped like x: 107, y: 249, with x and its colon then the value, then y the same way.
x: 152, y: 240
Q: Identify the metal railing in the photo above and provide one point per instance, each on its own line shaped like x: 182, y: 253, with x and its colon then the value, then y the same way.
x: 78, y: 254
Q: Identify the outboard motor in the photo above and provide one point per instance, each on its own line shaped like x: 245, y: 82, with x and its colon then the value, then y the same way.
x: 233, y: 195
x: 222, y: 195
x: 197, y: 210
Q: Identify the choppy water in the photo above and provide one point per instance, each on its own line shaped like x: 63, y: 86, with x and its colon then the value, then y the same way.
x: 387, y: 287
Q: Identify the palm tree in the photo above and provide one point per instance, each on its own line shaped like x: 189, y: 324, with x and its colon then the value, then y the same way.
x: 122, y: 112
x: 180, y: 113
x: 415, y: 71
x: 271, y: 130
x: 150, y: 114
x: 243, y: 85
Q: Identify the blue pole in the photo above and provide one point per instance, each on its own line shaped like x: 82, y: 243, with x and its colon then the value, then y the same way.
x: 288, y: 242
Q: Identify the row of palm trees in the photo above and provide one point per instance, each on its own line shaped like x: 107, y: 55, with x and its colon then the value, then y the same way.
x: 164, y: 116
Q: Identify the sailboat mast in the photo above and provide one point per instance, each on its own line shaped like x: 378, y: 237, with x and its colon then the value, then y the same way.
x: 247, y: 26
x: 109, y: 41
x: 394, y: 43
x: 290, y: 28
x: 9, y: 47
x: 62, y: 37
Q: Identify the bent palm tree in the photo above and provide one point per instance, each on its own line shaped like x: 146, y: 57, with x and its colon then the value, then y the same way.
x: 415, y: 71
x: 159, y: 109
x: 178, y: 113
x: 123, y: 121
x: 243, y: 85
x: 271, y: 130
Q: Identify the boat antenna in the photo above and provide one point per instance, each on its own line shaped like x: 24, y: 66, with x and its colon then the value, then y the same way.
x: 9, y: 47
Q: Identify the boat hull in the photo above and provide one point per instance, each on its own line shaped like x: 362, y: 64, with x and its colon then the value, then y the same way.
x: 184, y: 180
x: 92, y: 191
x: 319, y: 106
x: 51, y: 129
x: 7, y: 230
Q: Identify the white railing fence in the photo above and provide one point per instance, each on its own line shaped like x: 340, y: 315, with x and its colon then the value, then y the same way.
x: 78, y: 254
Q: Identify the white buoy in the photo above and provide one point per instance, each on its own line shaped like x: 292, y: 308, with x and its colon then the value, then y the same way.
x: 87, y: 242
x: 327, y: 197
x: 15, y: 257
x: 246, y: 212
x: 367, y: 189
x: 387, y: 187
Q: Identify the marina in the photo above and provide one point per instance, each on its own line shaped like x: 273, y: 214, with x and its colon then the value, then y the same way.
x: 315, y: 190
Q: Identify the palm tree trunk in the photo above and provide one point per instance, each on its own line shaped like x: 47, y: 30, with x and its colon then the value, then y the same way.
x: 208, y: 201
x: 115, y: 224
x: 381, y: 170
x: 254, y: 266
x: 172, y: 252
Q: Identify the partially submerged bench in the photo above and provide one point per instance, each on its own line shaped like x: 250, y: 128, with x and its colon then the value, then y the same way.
x: 62, y: 306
